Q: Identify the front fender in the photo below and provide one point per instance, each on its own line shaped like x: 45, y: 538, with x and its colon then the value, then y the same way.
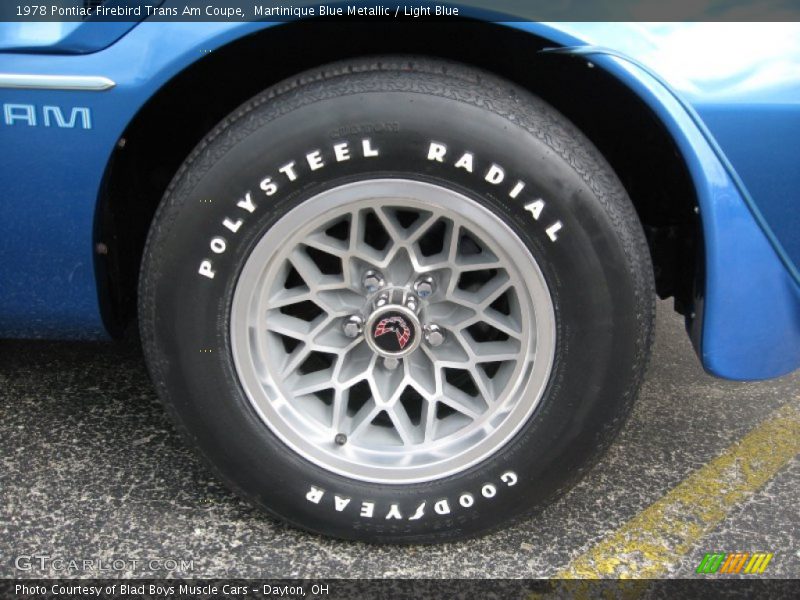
x: 746, y: 323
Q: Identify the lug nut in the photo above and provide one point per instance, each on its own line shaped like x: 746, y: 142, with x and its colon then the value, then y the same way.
x: 382, y: 300
x: 340, y: 439
x: 424, y: 286
x: 434, y: 335
x: 391, y: 363
x: 353, y: 326
x: 372, y: 281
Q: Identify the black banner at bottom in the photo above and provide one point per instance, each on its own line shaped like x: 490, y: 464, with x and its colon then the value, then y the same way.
x: 416, y: 589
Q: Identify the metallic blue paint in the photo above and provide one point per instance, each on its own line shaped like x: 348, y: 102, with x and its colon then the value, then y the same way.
x: 60, y: 38
x: 748, y: 323
x: 51, y: 179
x: 736, y: 129
x: 67, y: 37
x: 741, y: 84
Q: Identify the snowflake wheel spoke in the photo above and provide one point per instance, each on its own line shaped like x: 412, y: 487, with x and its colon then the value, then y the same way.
x: 395, y: 327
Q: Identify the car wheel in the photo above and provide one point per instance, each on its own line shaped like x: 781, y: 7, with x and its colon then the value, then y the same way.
x: 397, y: 300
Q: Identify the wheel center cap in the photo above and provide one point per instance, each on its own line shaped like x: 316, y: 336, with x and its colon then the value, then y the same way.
x: 393, y: 331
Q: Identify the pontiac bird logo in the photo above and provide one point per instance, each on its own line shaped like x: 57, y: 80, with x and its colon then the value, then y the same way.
x: 396, y: 325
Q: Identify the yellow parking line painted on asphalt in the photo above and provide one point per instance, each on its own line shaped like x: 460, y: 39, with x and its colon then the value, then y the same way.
x: 663, y: 533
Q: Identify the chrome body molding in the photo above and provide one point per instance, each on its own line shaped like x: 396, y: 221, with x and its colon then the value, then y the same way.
x: 26, y: 81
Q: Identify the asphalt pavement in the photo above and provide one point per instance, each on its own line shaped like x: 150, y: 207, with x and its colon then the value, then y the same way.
x: 92, y: 470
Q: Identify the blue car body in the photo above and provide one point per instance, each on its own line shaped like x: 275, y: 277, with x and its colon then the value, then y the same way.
x: 732, y: 110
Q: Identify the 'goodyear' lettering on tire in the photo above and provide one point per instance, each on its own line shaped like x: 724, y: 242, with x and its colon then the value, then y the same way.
x: 367, y: 509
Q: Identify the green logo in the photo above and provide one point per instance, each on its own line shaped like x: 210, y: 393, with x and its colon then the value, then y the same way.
x: 732, y: 563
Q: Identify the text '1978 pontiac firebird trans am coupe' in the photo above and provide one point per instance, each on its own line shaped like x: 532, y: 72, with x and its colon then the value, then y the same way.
x: 396, y: 280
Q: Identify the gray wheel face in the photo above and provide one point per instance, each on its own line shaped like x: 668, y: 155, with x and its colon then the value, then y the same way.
x: 392, y: 331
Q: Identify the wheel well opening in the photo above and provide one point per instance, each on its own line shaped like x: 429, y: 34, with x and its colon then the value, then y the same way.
x: 176, y: 118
